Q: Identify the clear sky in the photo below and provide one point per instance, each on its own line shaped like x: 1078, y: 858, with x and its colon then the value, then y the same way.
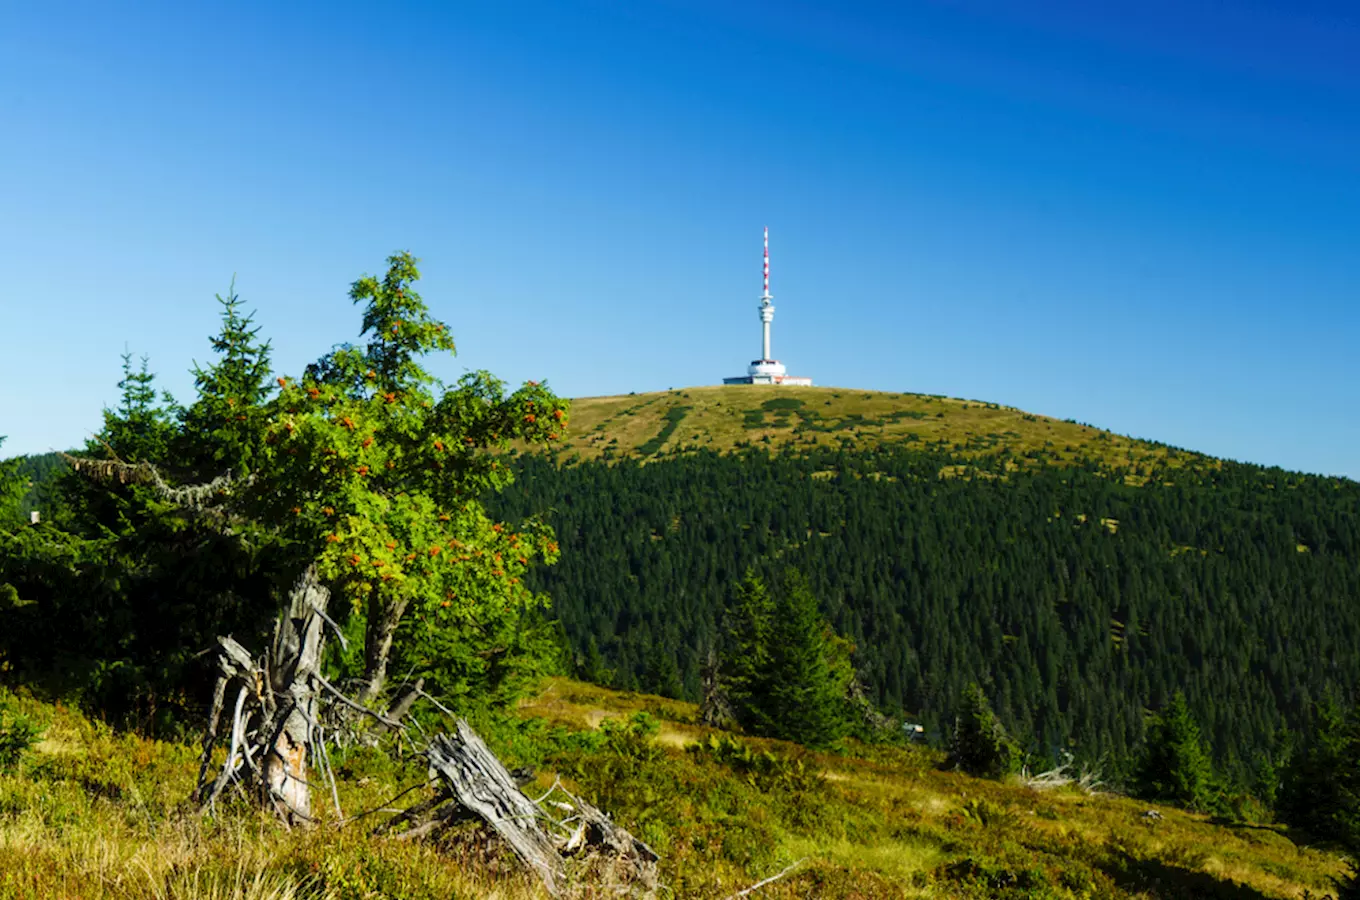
x: 1142, y: 215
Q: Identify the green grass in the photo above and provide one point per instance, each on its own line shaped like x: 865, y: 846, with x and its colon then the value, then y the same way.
x: 728, y: 417
x: 93, y: 814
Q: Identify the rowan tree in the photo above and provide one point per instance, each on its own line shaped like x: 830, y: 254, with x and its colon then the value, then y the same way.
x: 374, y: 471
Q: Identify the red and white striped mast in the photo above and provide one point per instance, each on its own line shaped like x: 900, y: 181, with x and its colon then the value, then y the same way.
x: 766, y: 304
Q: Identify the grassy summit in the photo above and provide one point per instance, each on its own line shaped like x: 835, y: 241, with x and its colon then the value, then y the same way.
x: 733, y: 416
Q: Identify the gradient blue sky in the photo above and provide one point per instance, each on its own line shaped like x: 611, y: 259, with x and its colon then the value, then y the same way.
x: 1140, y: 215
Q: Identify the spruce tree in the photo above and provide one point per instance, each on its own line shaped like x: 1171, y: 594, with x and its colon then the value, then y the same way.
x: 786, y: 673
x: 806, y: 693
x: 1321, y: 786
x: 1175, y: 766
x: 222, y: 431
x: 980, y: 745
x: 746, y: 654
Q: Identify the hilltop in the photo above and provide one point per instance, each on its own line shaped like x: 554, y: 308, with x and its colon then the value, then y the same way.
x: 730, y: 417
x: 93, y: 814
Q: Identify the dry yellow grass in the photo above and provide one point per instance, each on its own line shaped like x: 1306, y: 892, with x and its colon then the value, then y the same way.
x: 98, y: 815
x: 722, y: 418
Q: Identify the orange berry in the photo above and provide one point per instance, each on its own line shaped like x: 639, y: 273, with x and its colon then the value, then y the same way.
x: 410, y: 556
x: 297, y: 510
x: 368, y: 442
x: 391, y: 545
x: 529, y: 418
x: 313, y: 392
x: 363, y: 470
x: 328, y: 510
x: 283, y: 382
x: 332, y: 538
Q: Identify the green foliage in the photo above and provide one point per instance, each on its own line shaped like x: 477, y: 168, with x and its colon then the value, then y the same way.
x: 1007, y: 578
x: 1175, y: 766
x: 223, y: 429
x: 979, y: 744
x: 18, y: 733
x: 762, y: 769
x: 365, y: 466
x: 1320, y: 790
x: 142, y: 427
x: 375, y: 473
x: 12, y: 488
x: 785, y: 671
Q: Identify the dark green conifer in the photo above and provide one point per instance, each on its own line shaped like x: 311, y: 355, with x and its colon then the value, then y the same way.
x: 980, y: 745
x: 1175, y: 766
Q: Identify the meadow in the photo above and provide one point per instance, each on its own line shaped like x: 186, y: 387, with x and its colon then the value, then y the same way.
x: 92, y: 813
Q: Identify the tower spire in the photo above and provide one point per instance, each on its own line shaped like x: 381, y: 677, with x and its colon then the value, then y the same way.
x: 767, y: 262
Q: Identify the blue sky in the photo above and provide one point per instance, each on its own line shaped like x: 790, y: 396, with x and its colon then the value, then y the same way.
x: 1141, y: 215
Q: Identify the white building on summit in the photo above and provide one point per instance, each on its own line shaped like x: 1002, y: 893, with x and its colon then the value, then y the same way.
x: 767, y: 370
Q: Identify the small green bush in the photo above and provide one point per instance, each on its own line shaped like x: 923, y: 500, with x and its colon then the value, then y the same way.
x: 18, y: 734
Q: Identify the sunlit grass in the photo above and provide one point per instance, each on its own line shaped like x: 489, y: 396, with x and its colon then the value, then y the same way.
x: 93, y: 814
x: 723, y: 418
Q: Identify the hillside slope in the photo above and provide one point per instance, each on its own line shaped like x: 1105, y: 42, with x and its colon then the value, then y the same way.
x: 93, y: 814
x: 732, y: 416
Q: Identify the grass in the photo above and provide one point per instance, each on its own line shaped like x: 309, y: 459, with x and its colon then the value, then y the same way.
x: 94, y: 814
x: 725, y: 418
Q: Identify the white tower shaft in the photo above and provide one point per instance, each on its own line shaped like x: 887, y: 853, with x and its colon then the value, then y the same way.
x: 766, y: 303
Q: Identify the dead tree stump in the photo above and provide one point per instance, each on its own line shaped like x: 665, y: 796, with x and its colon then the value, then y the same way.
x: 274, y: 720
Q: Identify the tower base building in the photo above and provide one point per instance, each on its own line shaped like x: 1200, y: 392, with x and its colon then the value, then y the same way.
x: 766, y: 370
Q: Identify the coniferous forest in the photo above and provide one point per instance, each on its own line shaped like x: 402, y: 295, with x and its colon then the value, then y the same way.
x: 1077, y: 601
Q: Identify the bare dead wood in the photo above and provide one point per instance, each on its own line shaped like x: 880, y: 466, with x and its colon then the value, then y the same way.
x: 275, y: 724
x: 193, y: 496
x: 405, y: 699
x: 770, y: 880
x: 577, y: 844
x: 481, y: 783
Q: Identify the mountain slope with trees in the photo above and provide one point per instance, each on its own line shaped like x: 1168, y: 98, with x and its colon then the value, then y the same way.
x: 1079, y: 598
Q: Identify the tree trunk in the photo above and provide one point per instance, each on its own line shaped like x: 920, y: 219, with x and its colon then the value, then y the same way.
x: 276, y: 712
x: 294, y: 665
x: 383, y: 619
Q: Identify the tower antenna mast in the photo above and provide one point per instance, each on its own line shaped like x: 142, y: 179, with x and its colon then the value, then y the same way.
x: 766, y: 304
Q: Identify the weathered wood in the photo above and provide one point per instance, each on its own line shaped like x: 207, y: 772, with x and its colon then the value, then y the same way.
x: 582, y: 846
x: 402, y: 703
x: 276, y: 718
x: 481, y: 783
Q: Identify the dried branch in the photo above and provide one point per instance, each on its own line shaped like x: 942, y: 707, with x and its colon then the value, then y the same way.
x: 193, y: 496
x: 770, y: 880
